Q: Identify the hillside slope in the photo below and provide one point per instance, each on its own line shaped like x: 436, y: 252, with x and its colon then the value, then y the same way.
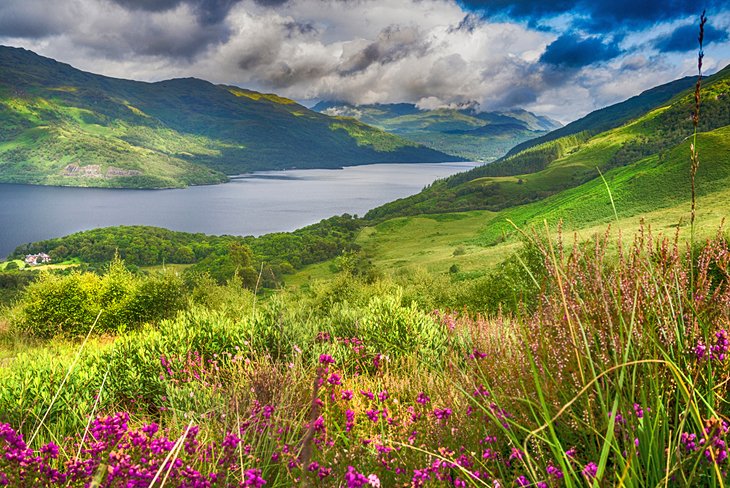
x: 63, y: 126
x: 467, y: 133
x: 546, y: 169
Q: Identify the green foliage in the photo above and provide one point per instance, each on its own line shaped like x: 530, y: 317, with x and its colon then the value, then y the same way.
x: 12, y: 284
x: 401, y: 330
x: 516, y: 282
x: 69, y: 305
x: 219, y: 256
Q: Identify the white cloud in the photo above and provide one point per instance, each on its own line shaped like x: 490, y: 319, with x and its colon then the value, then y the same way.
x: 430, y: 52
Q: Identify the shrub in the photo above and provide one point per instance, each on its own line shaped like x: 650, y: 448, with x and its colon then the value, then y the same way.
x: 69, y: 304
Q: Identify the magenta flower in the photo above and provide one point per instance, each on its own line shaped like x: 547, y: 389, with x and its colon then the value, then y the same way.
x: 442, y: 413
x: 422, y: 398
x: 638, y: 411
x: 590, y: 470
x: 253, y: 478
x: 353, y: 479
x: 50, y: 450
x: 326, y: 359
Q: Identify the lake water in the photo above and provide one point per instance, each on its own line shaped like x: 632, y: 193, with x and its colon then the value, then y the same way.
x: 253, y: 204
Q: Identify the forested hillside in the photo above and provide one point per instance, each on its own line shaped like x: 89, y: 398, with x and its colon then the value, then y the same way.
x: 63, y: 126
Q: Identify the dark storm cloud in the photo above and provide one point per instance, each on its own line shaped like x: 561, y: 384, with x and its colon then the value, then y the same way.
x: 149, y: 5
x: 469, y: 24
x: 572, y: 51
x: 394, y: 43
x: 684, y: 38
x: 294, y: 29
x: 599, y: 15
x: 208, y: 11
x: 28, y: 20
x: 271, y: 3
x: 284, y: 75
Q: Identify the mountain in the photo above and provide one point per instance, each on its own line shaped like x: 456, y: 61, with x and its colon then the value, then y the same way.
x: 614, y: 115
x: 464, y: 132
x: 63, y: 126
x: 563, y: 162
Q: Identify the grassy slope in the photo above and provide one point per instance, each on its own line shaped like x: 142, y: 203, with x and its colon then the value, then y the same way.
x: 547, y: 169
x: 166, y: 134
x: 465, y: 133
x: 653, y: 191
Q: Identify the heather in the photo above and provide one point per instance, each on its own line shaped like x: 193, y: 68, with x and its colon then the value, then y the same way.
x: 614, y: 372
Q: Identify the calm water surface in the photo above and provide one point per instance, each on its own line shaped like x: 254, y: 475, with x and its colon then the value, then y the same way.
x: 254, y: 204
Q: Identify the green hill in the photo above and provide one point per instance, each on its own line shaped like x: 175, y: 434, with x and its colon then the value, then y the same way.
x: 63, y: 126
x: 467, y: 133
x: 546, y: 169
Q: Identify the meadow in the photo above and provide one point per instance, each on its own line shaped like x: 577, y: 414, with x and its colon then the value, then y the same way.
x: 611, y: 370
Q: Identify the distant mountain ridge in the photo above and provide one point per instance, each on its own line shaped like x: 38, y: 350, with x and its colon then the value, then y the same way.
x: 63, y: 126
x: 464, y: 132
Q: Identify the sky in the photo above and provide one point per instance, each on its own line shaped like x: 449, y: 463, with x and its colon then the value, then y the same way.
x: 560, y: 58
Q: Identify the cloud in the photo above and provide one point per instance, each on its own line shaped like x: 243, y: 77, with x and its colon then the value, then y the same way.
x: 394, y: 43
x: 549, y: 57
x: 573, y: 51
x: 207, y: 11
x: 684, y: 38
x: 165, y: 28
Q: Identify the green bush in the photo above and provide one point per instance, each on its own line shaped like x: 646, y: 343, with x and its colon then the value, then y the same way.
x: 57, y: 304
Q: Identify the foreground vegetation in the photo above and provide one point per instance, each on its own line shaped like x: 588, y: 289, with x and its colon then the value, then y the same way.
x: 612, y: 369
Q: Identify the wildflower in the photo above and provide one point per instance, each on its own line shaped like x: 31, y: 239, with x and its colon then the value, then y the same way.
x: 590, y: 470
x: 721, y: 346
x: 326, y: 359
x: 638, y: 411
x: 353, y: 479
x: 554, y: 472
x: 489, y: 454
x: 50, y: 450
x: 346, y: 395
x: 475, y: 354
x: 318, y: 425
x: 253, y: 478
x: 373, y: 480
x: 442, y: 413
x: 376, y: 360
x: 334, y: 379
x: 522, y: 481
x: 700, y: 351
x: 516, y: 454
x: 422, y: 398
x: 367, y: 394
x: 383, y: 395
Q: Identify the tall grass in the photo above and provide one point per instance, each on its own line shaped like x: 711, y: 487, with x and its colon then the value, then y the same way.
x: 617, y: 375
